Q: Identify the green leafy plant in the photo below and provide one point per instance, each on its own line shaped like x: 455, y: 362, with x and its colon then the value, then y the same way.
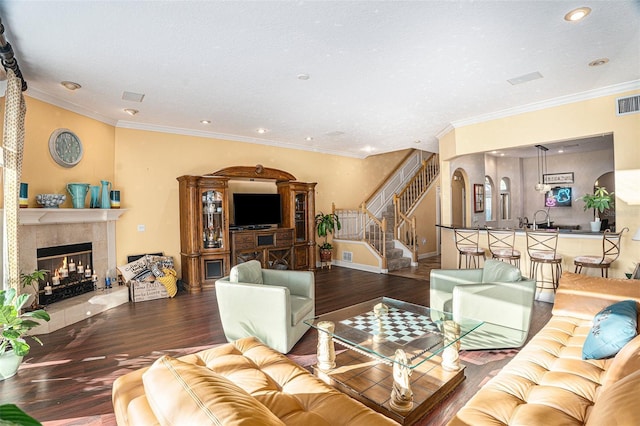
x: 600, y: 200
x: 16, y: 325
x: 325, y: 224
x: 33, y: 279
x: 10, y: 414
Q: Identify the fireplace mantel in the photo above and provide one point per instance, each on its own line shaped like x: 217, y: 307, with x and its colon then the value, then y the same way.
x: 42, y: 216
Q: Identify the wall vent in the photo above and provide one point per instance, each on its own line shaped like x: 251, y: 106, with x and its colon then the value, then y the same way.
x: 628, y: 105
x: 347, y: 256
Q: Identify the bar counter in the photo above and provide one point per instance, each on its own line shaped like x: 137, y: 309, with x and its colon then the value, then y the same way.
x: 571, y: 243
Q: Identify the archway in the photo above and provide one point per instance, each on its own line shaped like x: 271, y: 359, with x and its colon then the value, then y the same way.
x: 608, y: 217
x: 458, y: 199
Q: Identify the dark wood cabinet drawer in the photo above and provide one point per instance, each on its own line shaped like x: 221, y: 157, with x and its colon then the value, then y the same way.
x: 243, y: 241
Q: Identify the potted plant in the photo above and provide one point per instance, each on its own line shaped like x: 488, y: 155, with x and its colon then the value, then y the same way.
x: 33, y: 279
x: 600, y: 201
x: 325, y: 224
x: 15, y: 329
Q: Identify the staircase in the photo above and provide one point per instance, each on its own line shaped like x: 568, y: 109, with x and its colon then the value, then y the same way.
x: 395, y: 256
x: 383, y: 222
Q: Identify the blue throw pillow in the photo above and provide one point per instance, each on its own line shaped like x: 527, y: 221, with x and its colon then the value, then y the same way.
x: 613, y: 327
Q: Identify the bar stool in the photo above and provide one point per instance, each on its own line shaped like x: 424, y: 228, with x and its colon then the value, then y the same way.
x: 501, y: 246
x: 610, y: 252
x: 467, y: 245
x: 541, y: 247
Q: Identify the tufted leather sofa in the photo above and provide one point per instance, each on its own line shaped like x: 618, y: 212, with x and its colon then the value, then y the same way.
x: 239, y: 383
x: 548, y: 382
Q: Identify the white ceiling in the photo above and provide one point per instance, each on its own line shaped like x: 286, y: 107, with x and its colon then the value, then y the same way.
x: 383, y: 75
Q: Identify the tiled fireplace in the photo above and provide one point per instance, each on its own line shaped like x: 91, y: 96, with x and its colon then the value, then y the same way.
x: 53, y: 239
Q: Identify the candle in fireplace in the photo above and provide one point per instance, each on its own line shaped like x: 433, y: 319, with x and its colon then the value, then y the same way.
x: 87, y: 272
x: 80, y: 267
x: 64, y: 271
x: 47, y: 288
x: 55, y: 279
x: 72, y: 266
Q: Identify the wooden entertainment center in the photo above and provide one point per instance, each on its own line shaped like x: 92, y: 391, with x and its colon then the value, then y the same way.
x: 209, y: 248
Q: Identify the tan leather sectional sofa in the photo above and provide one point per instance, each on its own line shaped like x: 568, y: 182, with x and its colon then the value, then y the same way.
x: 239, y: 383
x: 548, y: 382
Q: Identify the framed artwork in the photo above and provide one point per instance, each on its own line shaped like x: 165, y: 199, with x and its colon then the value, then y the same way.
x: 478, y: 198
x: 553, y: 178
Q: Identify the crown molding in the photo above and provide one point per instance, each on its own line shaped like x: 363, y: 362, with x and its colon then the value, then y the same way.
x: 228, y: 137
x: 45, y: 97
x: 550, y: 103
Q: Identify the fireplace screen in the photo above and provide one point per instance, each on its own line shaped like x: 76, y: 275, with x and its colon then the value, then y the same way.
x: 69, y: 272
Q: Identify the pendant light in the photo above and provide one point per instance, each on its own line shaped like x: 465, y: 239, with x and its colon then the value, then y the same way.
x: 541, y: 187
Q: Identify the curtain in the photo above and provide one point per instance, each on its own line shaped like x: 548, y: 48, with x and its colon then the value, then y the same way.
x: 13, y: 146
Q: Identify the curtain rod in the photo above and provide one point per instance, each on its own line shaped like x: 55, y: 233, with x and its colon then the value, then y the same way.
x: 8, y: 58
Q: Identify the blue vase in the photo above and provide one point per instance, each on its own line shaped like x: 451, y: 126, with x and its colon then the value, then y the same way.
x: 78, y: 193
x: 94, y: 202
x: 105, y: 203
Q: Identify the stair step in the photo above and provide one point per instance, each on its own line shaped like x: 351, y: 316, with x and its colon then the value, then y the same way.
x: 399, y: 263
x: 394, y: 253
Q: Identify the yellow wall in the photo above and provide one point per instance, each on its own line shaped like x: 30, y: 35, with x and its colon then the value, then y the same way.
x: 148, y: 163
x: 43, y: 174
x: 425, y: 222
x: 571, y: 121
x: 144, y: 166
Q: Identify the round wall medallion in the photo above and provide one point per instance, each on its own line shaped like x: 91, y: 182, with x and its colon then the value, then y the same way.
x: 65, y: 147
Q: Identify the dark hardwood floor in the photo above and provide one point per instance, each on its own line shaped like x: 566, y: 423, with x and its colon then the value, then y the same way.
x: 70, y: 376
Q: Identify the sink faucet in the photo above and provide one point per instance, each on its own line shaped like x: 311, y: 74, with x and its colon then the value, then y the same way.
x: 535, y: 220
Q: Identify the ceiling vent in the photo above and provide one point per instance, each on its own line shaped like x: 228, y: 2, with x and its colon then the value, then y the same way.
x: 628, y: 105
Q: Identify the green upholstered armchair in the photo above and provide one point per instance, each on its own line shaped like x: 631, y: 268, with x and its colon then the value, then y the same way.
x: 268, y: 304
x: 496, y: 294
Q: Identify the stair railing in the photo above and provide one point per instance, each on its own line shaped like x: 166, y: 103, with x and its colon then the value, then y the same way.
x: 405, y: 200
x: 362, y: 225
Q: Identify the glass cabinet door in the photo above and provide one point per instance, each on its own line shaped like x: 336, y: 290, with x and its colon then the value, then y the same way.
x: 300, y: 216
x: 213, y: 225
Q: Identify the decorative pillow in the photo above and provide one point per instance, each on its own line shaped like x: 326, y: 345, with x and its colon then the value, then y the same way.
x: 247, y: 272
x: 169, y: 281
x: 495, y: 271
x: 180, y: 393
x: 613, y: 327
x: 136, y: 270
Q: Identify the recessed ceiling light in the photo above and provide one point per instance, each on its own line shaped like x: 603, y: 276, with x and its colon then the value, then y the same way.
x: 577, y: 14
x: 262, y: 130
x: 494, y: 152
x: 205, y: 121
x: 560, y: 151
x: 131, y: 111
x: 308, y: 138
x: 70, y: 85
x: 502, y: 154
x: 598, y: 62
x: 417, y: 141
x: 304, y: 76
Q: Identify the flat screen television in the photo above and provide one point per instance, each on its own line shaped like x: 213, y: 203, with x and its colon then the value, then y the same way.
x: 255, y: 210
x: 560, y: 196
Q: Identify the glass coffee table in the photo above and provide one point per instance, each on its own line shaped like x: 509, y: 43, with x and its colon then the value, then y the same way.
x: 390, y: 341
